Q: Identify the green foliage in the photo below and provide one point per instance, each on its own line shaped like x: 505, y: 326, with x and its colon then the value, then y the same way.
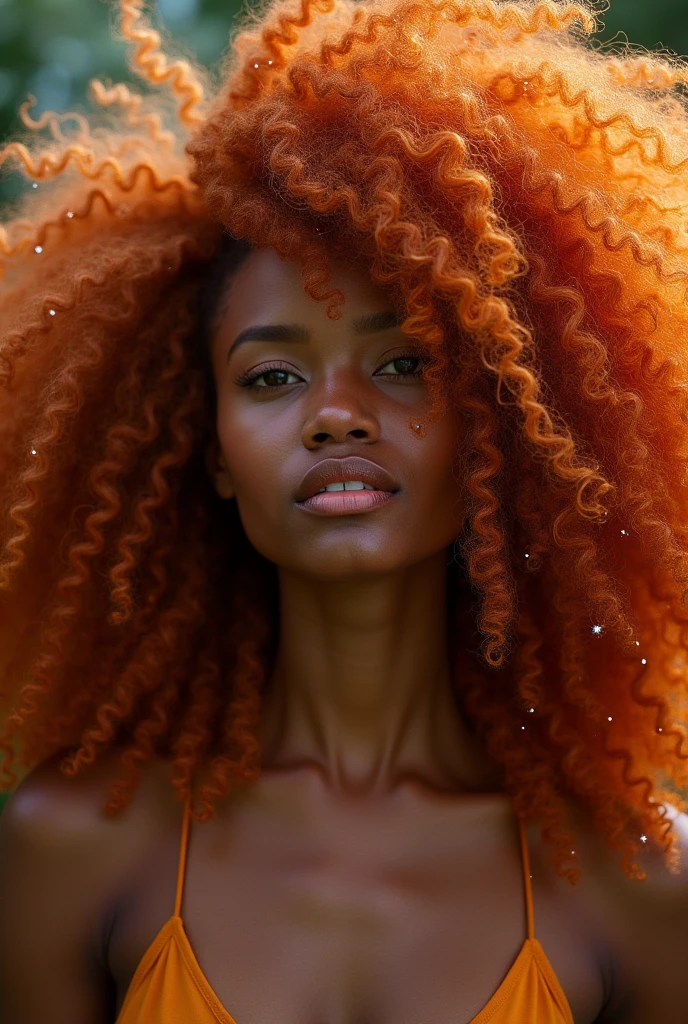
x: 52, y: 48
x: 662, y: 23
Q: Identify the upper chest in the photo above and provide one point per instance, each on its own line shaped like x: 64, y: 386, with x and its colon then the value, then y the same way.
x: 322, y: 912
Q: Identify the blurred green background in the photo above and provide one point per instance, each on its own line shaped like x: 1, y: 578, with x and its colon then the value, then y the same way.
x: 51, y: 48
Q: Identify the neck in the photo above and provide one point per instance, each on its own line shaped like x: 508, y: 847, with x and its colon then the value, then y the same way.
x: 362, y: 685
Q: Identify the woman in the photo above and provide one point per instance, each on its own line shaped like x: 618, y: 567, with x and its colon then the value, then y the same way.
x: 343, y: 441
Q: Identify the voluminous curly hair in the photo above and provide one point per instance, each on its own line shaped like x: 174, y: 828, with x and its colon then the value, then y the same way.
x: 523, y: 194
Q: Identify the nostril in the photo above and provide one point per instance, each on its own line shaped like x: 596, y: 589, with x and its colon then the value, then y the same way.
x: 324, y: 435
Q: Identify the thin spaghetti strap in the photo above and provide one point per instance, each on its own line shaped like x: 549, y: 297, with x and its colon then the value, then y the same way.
x: 182, y: 856
x: 525, y: 858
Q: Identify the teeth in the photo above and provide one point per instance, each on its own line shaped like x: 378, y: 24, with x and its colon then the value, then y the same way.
x: 348, y: 485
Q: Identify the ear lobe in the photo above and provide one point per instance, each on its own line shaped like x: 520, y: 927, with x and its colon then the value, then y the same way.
x: 223, y: 484
x: 216, y: 467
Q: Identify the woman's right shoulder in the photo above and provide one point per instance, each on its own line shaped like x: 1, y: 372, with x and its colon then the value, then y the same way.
x: 64, y: 865
x: 49, y: 807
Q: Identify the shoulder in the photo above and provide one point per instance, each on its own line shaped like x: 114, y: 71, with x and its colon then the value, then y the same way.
x: 661, y: 886
x: 641, y: 925
x: 48, y: 805
x: 63, y: 866
x: 57, y: 841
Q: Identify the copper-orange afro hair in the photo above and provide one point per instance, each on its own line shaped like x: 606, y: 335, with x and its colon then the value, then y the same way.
x: 524, y: 196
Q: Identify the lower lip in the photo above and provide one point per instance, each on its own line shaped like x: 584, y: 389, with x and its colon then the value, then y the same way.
x: 346, y: 503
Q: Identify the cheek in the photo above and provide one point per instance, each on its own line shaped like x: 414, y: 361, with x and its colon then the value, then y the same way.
x: 439, y: 465
x: 256, y: 458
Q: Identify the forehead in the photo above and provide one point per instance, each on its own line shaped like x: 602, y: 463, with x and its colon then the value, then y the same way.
x: 265, y: 287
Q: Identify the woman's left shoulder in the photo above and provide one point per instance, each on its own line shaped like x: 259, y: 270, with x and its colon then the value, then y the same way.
x: 643, y: 925
x: 662, y: 883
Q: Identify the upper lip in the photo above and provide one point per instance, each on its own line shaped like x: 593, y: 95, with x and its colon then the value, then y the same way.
x: 331, y: 471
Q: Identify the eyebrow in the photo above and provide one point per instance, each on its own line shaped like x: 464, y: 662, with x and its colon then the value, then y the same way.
x: 369, y: 323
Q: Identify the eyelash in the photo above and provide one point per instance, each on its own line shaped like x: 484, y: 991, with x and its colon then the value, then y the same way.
x: 248, y: 379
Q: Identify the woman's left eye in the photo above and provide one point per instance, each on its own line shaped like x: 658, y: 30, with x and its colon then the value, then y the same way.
x: 404, y: 366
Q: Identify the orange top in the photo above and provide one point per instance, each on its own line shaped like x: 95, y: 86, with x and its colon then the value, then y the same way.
x: 169, y: 986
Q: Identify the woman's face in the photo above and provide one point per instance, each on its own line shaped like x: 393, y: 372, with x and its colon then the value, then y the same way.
x: 305, y: 389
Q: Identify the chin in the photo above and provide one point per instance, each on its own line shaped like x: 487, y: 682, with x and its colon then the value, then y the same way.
x: 346, y: 562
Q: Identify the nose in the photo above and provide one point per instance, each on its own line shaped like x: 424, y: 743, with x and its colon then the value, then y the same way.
x: 338, y: 413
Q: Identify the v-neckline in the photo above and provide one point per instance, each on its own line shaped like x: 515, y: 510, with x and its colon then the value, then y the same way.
x: 174, y: 926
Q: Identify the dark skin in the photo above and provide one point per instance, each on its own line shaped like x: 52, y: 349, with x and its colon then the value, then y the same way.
x: 373, y: 873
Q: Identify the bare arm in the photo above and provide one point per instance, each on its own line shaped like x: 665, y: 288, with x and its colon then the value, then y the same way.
x: 50, y: 897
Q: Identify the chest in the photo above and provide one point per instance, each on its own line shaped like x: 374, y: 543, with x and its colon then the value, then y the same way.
x: 354, y: 922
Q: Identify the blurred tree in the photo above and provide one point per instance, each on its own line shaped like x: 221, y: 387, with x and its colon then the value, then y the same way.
x: 51, y: 48
x: 662, y: 23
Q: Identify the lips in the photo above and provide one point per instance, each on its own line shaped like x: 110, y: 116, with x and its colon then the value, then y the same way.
x: 331, y: 471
